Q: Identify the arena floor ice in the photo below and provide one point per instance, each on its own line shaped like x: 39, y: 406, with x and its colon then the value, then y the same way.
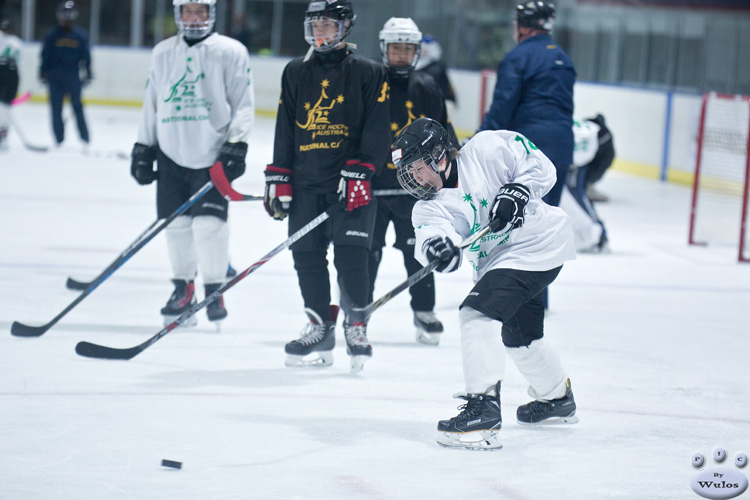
x: 655, y: 336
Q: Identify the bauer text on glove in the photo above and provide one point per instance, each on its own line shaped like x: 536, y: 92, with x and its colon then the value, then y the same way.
x: 508, y: 207
x: 278, y: 195
x: 355, y: 184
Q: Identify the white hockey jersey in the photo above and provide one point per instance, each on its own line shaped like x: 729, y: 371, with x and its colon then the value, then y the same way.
x: 10, y: 48
x: 197, y: 98
x: 586, y: 134
x: 487, y: 162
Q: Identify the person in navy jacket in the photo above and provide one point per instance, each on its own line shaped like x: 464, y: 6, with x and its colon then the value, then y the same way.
x: 534, y: 91
x: 65, y: 52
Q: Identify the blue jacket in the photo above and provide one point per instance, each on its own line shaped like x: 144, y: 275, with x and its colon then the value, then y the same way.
x: 63, y: 53
x: 534, y: 96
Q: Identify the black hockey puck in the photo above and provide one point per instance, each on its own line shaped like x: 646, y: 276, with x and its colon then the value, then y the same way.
x: 172, y: 464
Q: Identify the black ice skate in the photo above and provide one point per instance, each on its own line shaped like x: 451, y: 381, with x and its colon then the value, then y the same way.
x: 215, y: 310
x: 318, y: 337
x: 429, y: 328
x: 555, y: 411
x: 478, y: 425
x: 357, y: 345
x: 181, y: 300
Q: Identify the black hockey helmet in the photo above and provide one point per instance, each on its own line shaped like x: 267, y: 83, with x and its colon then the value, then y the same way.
x: 67, y: 11
x: 426, y: 140
x: 340, y: 11
x: 536, y: 14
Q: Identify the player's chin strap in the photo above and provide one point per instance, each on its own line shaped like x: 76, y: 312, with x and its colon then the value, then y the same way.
x: 224, y: 187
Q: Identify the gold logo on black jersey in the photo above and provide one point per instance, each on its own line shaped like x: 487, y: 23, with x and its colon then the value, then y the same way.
x: 318, y: 121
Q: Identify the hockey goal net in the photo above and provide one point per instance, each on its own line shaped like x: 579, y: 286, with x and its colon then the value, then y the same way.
x: 719, y: 211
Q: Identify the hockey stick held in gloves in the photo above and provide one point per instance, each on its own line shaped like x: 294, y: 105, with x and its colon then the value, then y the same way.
x: 90, y: 350
x: 367, y: 311
x: 22, y: 330
x: 224, y: 187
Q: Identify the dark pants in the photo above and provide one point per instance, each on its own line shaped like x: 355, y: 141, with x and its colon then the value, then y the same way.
x: 59, y: 87
x: 514, y: 298
x: 397, y: 209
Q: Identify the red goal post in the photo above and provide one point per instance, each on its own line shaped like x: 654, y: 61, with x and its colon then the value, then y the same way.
x: 719, y: 207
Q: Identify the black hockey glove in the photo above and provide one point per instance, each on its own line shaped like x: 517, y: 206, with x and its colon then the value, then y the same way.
x: 354, y: 186
x: 508, y: 207
x: 142, y: 164
x: 87, y: 79
x: 443, y: 250
x: 278, y: 195
x: 232, y: 157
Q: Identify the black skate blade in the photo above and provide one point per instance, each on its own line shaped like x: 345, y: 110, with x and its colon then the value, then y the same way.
x: 20, y: 330
x: 72, y: 284
x: 89, y: 350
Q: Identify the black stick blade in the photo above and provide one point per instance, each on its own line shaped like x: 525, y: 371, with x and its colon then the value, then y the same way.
x: 21, y: 330
x: 72, y: 284
x: 89, y: 350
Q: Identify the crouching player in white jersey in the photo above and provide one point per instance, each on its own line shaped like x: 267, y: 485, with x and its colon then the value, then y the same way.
x: 198, y: 109
x: 10, y: 48
x: 497, y: 179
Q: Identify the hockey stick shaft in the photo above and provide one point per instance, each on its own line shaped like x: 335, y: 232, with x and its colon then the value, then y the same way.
x: 224, y: 187
x: 73, y: 284
x: 21, y: 99
x: 367, y: 311
x: 22, y: 330
x: 22, y: 136
x: 90, y: 350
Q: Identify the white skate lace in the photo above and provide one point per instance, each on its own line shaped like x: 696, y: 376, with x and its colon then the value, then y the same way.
x: 356, y: 335
x: 311, y: 334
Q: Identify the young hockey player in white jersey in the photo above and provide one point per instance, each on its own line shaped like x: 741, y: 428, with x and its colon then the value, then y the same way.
x: 497, y: 180
x: 10, y: 48
x: 588, y: 228
x: 198, y: 109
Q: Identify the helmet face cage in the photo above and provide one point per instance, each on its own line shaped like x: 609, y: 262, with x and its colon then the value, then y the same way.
x: 340, y: 12
x: 67, y: 11
x: 400, y: 30
x: 195, y: 30
x: 417, y: 153
x: 536, y: 14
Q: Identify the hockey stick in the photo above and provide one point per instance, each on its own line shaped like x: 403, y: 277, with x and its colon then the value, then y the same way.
x: 21, y: 99
x: 224, y: 187
x: 21, y: 330
x: 90, y: 350
x: 367, y: 311
x: 27, y: 144
x: 73, y: 284
x: 216, y: 172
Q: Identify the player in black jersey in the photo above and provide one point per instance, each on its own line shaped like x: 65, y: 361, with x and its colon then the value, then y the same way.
x: 331, y: 137
x: 413, y: 95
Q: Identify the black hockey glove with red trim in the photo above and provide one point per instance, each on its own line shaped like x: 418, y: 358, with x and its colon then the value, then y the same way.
x: 278, y: 195
x: 508, y: 207
x: 142, y: 164
x: 354, y: 186
x: 443, y: 250
x: 232, y: 157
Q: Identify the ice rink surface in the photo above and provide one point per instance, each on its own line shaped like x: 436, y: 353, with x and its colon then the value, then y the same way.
x: 655, y: 336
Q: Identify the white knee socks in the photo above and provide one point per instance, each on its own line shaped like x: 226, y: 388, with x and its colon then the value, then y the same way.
x: 482, y: 351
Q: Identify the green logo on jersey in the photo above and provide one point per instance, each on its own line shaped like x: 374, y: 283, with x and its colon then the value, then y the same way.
x: 183, y: 94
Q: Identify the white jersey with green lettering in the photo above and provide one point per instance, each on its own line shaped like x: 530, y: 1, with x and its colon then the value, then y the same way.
x: 197, y: 98
x: 487, y: 162
x: 10, y: 49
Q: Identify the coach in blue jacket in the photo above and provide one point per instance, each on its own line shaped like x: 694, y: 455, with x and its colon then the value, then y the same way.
x: 534, y: 91
x: 65, y: 53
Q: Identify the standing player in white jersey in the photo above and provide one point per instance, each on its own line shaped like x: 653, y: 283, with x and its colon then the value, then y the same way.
x: 10, y: 49
x: 497, y: 179
x: 198, y: 108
